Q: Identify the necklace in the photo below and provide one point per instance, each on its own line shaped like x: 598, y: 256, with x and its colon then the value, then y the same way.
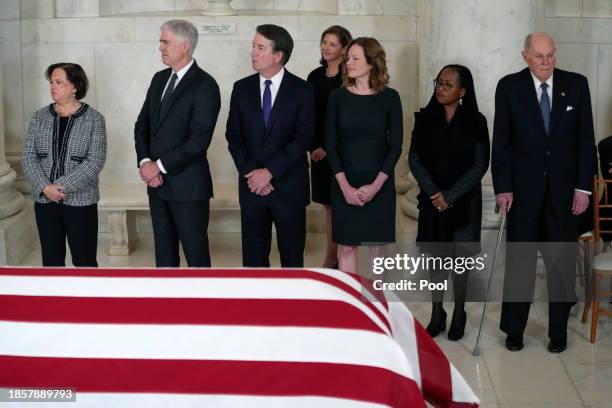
x: 366, y: 92
x: 449, y: 115
x: 65, y: 111
x: 330, y: 75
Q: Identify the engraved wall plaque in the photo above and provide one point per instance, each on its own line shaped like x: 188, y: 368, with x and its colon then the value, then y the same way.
x: 216, y: 28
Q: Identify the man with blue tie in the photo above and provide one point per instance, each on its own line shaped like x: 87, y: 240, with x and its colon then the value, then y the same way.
x: 269, y: 131
x: 542, y: 167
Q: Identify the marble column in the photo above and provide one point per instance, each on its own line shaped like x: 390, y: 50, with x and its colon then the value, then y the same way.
x: 487, y: 37
x: 17, y: 230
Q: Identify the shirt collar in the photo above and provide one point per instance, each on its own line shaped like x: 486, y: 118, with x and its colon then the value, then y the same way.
x: 181, y: 72
x: 537, y: 82
x: 276, y: 79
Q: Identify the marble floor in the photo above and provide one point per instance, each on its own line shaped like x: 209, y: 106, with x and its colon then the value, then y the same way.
x: 579, y: 377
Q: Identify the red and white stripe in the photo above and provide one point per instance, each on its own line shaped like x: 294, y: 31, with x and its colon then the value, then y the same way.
x: 218, y: 338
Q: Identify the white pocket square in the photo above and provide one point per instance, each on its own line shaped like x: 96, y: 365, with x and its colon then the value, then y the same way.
x: 569, y: 108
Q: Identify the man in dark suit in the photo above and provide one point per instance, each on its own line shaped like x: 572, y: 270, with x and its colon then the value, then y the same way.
x: 172, y: 133
x: 269, y: 130
x: 542, y: 167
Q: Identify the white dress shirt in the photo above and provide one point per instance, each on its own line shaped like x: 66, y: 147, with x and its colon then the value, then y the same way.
x: 180, y: 74
x: 537, y: 83
x: 276, y: 81
x: 538, y: 87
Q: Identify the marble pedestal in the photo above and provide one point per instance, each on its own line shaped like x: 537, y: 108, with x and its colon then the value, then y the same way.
x: 18, y: 236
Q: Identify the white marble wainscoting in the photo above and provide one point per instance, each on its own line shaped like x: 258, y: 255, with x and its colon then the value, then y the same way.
x: 584, y: 45
x: 346, y: 7
x: 35, y: 9
x: 77, y: 8
x: 9, y: 10
x: 597, y: 8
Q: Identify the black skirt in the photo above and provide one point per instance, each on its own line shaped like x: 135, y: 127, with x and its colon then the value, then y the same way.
x: 321, y: 178
x: 372, y: 224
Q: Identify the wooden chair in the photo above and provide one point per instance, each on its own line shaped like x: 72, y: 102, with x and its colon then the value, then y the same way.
x: 602, y: 261
x: 584, y: 273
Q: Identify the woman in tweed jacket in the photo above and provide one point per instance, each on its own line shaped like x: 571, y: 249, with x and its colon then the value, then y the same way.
x: 63, y: 154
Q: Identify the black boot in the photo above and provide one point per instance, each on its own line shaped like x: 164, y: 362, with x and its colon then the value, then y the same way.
x: 457, y: 327
x: 438, y: 320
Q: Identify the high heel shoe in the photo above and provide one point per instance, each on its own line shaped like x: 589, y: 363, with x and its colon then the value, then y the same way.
x: 457, y: 327
x: 437, y: 324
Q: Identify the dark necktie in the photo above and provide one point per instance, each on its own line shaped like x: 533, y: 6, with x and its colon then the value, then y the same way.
x: 168, y: 92
x: 545, y: 106
x: 267, y: 102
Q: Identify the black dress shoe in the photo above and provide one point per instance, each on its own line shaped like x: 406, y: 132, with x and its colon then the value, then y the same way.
x: 437, y: 324
x: 557, y: 345
x: 514, y: 342
x: 457, y: 327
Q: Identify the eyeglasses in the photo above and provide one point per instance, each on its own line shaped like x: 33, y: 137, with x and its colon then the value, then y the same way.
x: 447, y: 86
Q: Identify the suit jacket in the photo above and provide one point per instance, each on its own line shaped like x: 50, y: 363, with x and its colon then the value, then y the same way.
x: 180, y: 134
x: 76, y: 164
x: 605, y: 156
x: 281, y: 146
x: 525, y: 159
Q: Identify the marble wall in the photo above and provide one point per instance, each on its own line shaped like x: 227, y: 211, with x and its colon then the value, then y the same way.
x: 119, y: 52
x: 583, y: 31
x: 348, y: 7
x: 120, y: 56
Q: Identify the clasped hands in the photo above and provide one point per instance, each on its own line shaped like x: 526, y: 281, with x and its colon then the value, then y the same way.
x: 360, y: 196
x: 259, y: 180
x: 438, y: 201
x: 151, y: 174
x: 54, y: 192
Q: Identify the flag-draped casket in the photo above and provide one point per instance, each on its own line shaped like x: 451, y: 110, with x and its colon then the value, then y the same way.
x: 218, y: 338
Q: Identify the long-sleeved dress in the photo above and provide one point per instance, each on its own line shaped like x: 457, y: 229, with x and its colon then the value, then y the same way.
x: 363, y: 136
x: 320, y: 172
x: 452, y: 159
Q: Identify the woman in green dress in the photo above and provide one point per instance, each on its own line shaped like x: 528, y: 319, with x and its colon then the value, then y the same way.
x: 363, y: 140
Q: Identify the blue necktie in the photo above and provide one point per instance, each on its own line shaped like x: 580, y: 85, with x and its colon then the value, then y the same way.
x: 267, y: 102
x: 545, y: 106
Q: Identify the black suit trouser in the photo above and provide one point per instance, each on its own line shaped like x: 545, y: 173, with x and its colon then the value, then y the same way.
x: 56, y: 222
x: 290, y: 224
x: 555, y: 238
x: 184, y: 222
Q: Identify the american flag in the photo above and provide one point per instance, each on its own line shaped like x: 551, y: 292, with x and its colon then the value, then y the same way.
x: 218, y: 338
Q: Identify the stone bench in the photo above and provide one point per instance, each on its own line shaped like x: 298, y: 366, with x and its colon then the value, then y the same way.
x: 123, y: 201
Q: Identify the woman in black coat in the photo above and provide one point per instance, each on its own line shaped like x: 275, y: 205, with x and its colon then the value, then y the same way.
x: 448, y: 157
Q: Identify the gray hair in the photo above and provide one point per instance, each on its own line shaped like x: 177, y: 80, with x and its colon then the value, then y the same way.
x: 183, y: 29
x: 527, y: 43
